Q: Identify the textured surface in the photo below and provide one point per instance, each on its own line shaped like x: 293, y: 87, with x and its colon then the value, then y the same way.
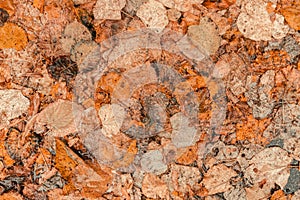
x: 149, y: 99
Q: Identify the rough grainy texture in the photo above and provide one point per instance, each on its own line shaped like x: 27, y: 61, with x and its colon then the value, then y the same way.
x: 153, y: 14
x: 149, y: 99
x: 73, y: 34
x: 205, y: 36
x: 107, y: 9
x: 255, y: 20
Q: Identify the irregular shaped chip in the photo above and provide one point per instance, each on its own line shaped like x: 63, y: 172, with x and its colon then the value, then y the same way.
x: 108, y: 9
x: 153, y: 186
x: 292, y: 145
x: 12, y: 36
x: 205, y: 36
x: 236, y: 193
x: 183, y: 135
x: 12, y: 105
x: 182, y: 179
x: 153, y: 14
x: 152, y: 161
x: 74, y: 33
x: 81, y: 50
x: 255, y: 23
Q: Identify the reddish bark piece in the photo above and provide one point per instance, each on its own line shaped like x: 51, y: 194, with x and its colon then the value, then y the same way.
x: 7, y: 160
x: 39, y: 4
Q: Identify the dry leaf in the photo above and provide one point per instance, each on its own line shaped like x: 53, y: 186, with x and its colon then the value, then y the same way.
x: 259, y: 94
x: 81, y: 49
x: 267, y: 168
x: 12, y: 105
x: 89, y: 183
x: 112, y: 117
x: 59, y: 117
x: 12, y: 36
x: 182, y: 179
x: 215, y: 183
x: 286, y: 123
